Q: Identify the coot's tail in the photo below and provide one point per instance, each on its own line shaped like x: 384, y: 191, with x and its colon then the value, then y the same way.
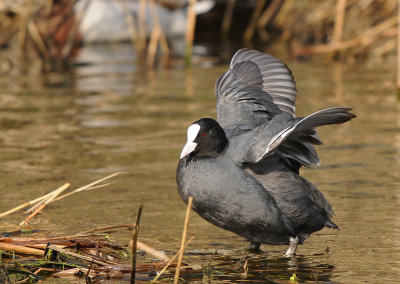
x: 298, y: 148
x: 331, y: 224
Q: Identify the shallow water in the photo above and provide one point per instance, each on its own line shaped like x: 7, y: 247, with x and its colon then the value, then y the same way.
x: 106, y: 116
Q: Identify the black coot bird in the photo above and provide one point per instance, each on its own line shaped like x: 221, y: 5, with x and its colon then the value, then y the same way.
x: 243, y: 169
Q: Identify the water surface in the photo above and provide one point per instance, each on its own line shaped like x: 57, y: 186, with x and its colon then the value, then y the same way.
x: 107, y: 116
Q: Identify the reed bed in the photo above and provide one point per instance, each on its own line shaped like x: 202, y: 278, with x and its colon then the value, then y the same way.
x: 46, y: 31
x: 350, y: 29
x: 89, y: 255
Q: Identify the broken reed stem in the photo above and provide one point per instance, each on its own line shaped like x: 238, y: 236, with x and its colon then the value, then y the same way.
x: 21, y: 249
x: 361, y: 40
x: 267, y: 17
x: 181, y: 250
x: 67, y: 48
x: 152, y: 251
x: 87, y: 273
x: 79, y: 256
x: 142, y: 28
x: 190, y: 27
x: 269, y: 13
x: 134, y: 244
x: 339, y: 21
x: 46, y: 196
x: 227, y: 20
x: 97, y: 181
x: 169, y: 262
x: 105, y: 228
x: 249, y: 32
x: 37, y: 39
x: 28, y: 203
x: 87, y: 189
x: 33, y: 208
x: 398, y: 48
x: 154, y: 37
x: 50, y: 199
x: 131, y: 26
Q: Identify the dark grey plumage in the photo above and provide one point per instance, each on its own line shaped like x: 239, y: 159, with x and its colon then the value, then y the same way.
x: 243, y: 171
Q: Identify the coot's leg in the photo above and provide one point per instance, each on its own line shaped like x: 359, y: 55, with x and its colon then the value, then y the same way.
x: 254, y: 247
x: 293, y: 242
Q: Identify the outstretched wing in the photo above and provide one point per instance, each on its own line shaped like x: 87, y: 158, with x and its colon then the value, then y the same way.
x: 256, y: 88
x: 282, y: 136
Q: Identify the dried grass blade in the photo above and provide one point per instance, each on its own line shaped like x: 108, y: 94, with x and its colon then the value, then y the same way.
x: 79, y: 256
x: 89, y: 188
x: 178, y: 265
x: 152, y: 251
x: 97, y: 181
x: 21, y: 249
x: 104, y: 228
x: 169, y: 262
x: 28, y: 203
x: 55, y: 194
x: 134, y: 244
x: 33, y: 208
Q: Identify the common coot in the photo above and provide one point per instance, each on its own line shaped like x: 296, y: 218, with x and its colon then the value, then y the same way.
x: 242, y: 169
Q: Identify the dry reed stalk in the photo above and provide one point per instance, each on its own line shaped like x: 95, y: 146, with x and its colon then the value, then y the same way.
x: 154, y: 37
x: 26, y: 204
x: 170, y: 262
x: 142, y: 28
x: 8, y: 32
x: 339, y: 20
x: 182, y: 249
x: 70, y: 272
x: 152, y: 251
x: 21, y: 249
x: 85, y: 187
x: 190, y: 28
x: 37, y: 271
x: 46, y: 196
x: 398, y: 47
x: 87, y: 273
x: 268, y: 17
x: 157, y: 36
x: 24, y: 14
x: 79, y: 256
x: 42, y: 246
x: 387, y: 47
x: 33, y: 208
x: 37, y: 39
x: 67, y: 48
x: 40, y: 208
x: 324, y: 11
x: 284, y: 12
x: 105, y: 228
x: 131, y: 26
x: 364, y: 39
x: 29, y: 203
x: 249, y: 32
x: 338, y: 24
x: 227, y: 20
x: 134, y: 244
x: 270, y: 13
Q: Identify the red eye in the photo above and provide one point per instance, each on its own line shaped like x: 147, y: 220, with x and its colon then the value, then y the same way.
x: 203, y: 134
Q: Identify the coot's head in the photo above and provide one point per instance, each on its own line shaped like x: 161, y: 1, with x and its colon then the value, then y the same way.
x: 205, y: 138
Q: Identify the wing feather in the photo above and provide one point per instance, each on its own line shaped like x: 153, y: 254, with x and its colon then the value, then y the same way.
x: 259, y: 85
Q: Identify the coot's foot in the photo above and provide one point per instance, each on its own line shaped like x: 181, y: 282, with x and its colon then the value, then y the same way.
x: 254, y: 247
x: 292, y: 247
